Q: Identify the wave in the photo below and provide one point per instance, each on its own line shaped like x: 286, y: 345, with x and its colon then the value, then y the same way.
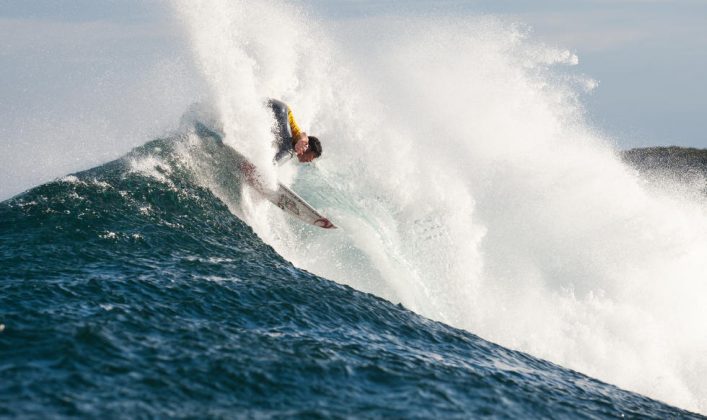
x: 132, y: 289
x: 469, y: 186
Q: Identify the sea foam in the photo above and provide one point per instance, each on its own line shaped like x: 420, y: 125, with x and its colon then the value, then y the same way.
x: 468, y: 186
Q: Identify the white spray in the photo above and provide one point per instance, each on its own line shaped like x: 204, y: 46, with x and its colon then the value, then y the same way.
x: 468, y: 187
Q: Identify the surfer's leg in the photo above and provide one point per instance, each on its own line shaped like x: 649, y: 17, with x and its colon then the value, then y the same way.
x: 279, y: 110
x: 283, y: 136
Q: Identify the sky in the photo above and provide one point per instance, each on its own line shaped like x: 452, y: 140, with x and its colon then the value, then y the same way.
x: 70, y: 69
x: 648, y: 56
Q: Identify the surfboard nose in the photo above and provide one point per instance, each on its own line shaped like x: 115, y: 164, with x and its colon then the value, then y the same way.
x: 324, y: 223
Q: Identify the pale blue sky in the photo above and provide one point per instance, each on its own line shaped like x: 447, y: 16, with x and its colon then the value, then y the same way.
x: 649, y: 56
x: 74, y: 68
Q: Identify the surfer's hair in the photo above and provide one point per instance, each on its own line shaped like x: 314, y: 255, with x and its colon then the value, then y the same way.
x: 315, y: 145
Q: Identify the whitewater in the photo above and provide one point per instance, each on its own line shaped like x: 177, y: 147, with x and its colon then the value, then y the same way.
x: 468, y: 185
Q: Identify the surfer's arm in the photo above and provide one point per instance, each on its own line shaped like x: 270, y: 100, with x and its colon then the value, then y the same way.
x: 299, y: 137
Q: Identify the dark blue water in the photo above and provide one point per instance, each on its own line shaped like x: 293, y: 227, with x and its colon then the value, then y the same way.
x: 123, y: 295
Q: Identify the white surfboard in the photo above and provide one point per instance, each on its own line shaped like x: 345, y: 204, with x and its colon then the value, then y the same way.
x: 283, y: 197
x: 294, y: 205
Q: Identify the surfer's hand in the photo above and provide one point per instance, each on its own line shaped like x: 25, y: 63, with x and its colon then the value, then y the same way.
x: 302, y: 144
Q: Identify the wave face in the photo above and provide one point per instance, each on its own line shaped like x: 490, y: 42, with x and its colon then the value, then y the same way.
x: 469, y: 186
x: 132, y: 290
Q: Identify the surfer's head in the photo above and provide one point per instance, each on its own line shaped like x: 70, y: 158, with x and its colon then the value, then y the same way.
x: 315, y: 145
x: 314, y: 150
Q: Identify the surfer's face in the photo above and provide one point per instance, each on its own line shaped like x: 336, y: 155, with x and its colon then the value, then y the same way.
x: 307, y: 156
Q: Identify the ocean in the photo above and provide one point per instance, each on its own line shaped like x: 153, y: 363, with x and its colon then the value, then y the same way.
x: 124, y: 294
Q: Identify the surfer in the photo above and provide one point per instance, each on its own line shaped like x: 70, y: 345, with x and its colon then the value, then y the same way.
x: 290, y: 139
